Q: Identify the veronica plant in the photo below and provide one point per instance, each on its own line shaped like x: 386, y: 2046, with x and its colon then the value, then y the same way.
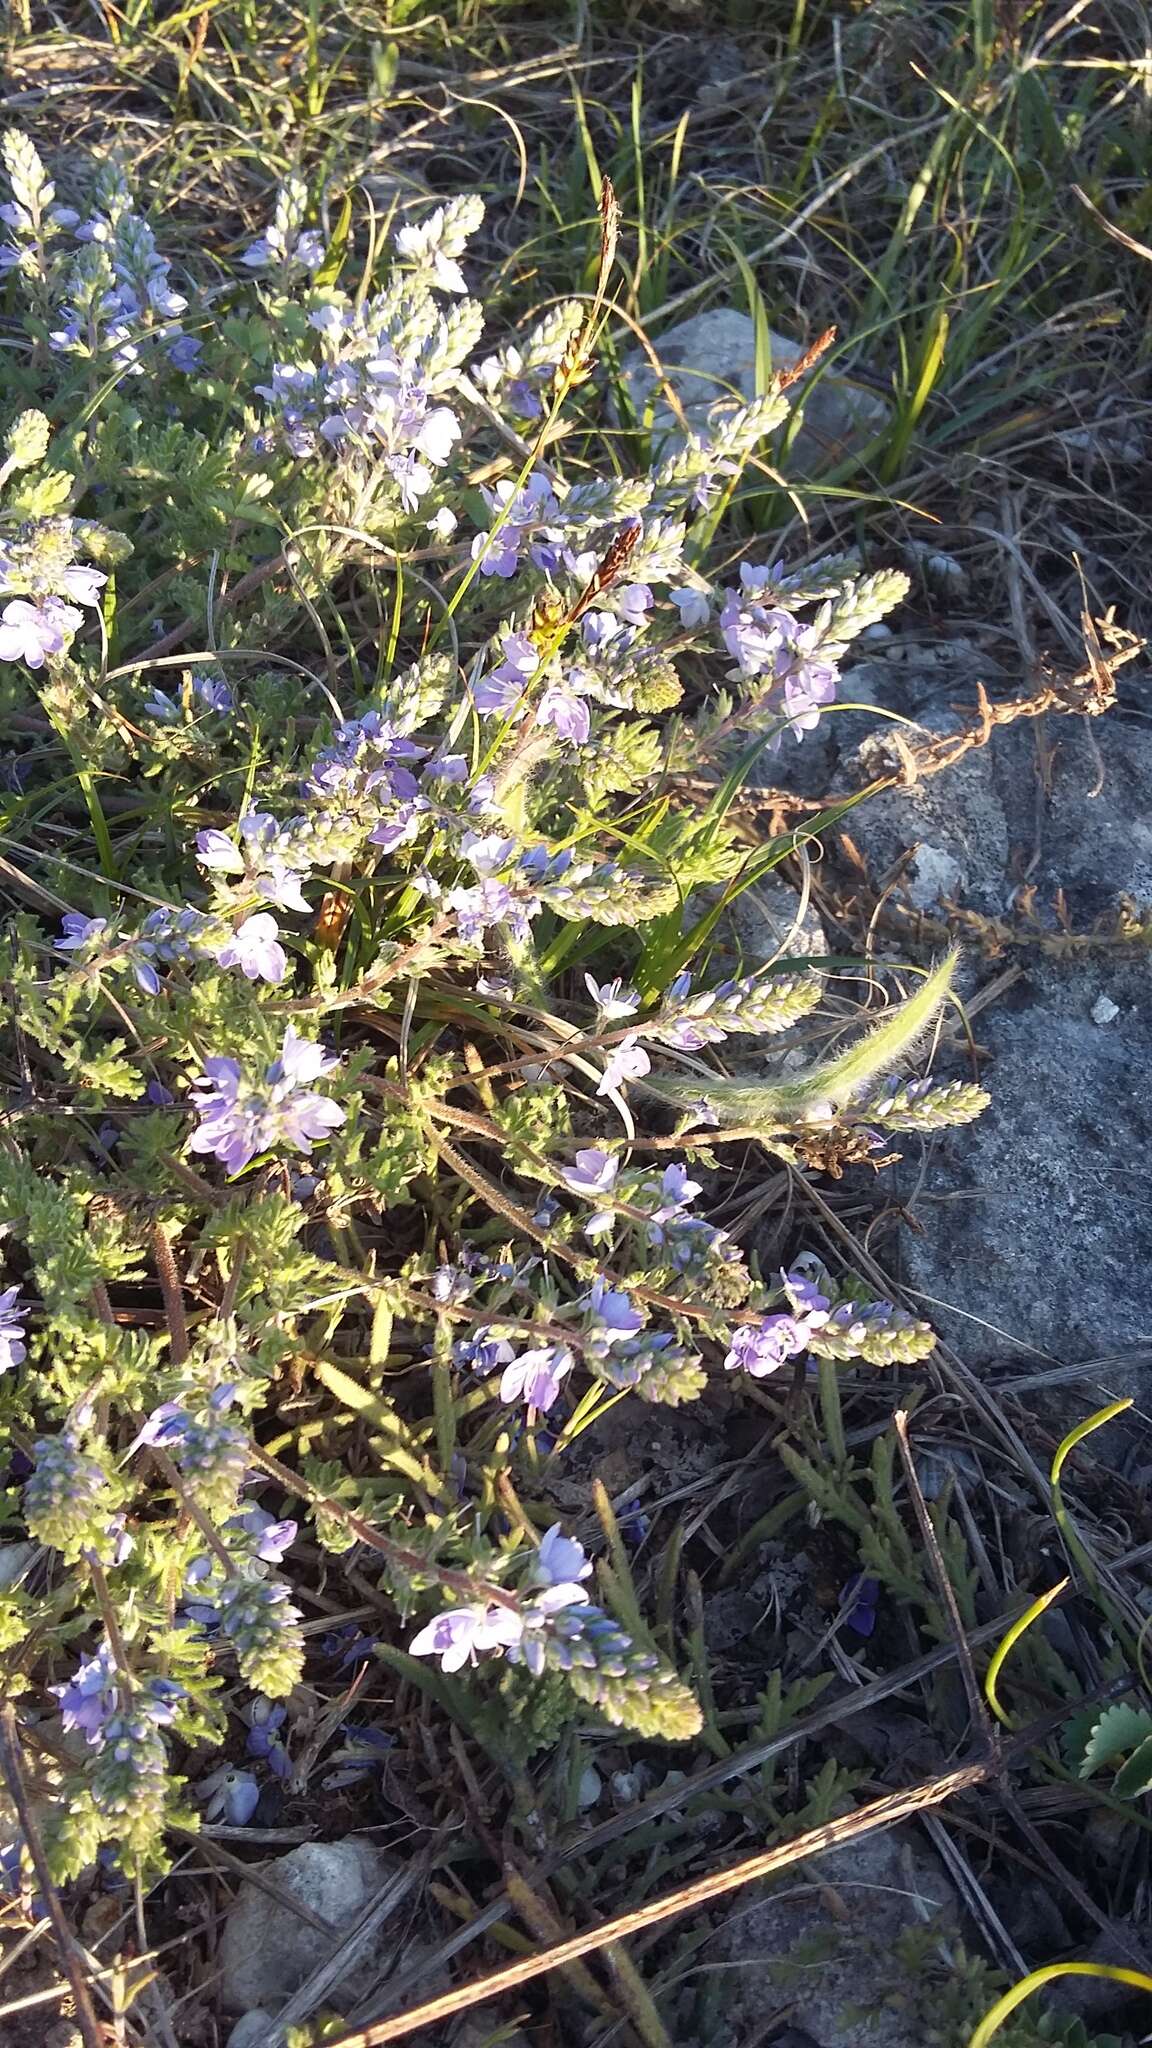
x: 340, y: 688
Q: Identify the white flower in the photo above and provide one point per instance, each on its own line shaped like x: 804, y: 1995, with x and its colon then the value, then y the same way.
x: 627, y: 1061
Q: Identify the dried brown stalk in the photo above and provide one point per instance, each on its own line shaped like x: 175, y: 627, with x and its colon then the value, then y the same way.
x: 1088, y: 693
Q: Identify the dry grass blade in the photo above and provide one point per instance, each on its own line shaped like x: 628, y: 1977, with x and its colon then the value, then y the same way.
x: 1109, y: 227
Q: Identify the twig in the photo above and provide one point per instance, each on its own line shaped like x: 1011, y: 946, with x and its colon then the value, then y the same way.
x: 90, y: 2028
x: 1089, y: 692
x: 981, y: 1725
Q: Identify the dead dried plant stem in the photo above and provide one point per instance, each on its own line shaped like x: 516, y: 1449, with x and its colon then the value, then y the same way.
x: 173, y: 1293
x: 981, y: 1727
x: 852, y: 1827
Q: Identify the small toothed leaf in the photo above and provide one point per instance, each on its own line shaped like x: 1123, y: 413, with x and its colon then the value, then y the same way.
x: 1117, y: 1730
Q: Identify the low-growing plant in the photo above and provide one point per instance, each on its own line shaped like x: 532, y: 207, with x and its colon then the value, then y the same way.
x: 371, y: 947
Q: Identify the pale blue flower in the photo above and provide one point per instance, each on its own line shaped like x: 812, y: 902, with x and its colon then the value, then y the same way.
x: 268, y: 1539
x: 693, y: 606
x: 31, y: 632
x: 212, y: 693
x: 420, y: 240
x: 497, y: 693
x: 566, y: 712
x: 560, y: 1560
x: 758, y: 580
x: 593, y: 1172
x: 229, y: 1795
x: 89, y: 1700
x: 255, y: 949
x: 612, y: 1315
x: 633, y: 602
x: 613, y: 999
x: 264, y: 1740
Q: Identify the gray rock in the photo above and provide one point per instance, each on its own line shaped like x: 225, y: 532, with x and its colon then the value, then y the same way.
x: 767, y: 920
x: 945, y: 836
x: 268, y: 1950
x: 1034, y: 1230
x: 712, y: 357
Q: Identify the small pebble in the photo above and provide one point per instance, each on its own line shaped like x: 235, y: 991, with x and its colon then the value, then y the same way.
x: 590, y: 1787
x: 1104, y: 1010
x: 250, y: 2029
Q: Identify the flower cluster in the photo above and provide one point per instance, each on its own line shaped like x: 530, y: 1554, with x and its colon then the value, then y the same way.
x: 352, y: 880
x: 45, y: 587
x: 242, y: 1116
x: 286, y: 244
x: 166, y: 937
x: 209, y: 1451
x: 374, y: 384
x: 258, y: 1622
x: 122, y: 1719
x: 654, y: 1211
x: 762, y: 1347
x: 555, y: 1627
x: 71, y: 1502
x: 827, y: 1323
x: 921, y: 1105
x: 106, y: 284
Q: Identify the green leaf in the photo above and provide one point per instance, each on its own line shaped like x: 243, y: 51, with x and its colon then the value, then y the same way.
x: 26, y: 442
x: 1076, y: 1735
x: 1118, y: 1729
x: 333, y: 262
x: 39, y: 496
x: 1136, y: 1775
